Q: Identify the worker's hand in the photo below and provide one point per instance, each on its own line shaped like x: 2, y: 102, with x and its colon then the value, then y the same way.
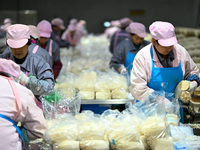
x: 184, y: 85
x: 193, y: 86
x: 122, y: 70
x: 23, y: 79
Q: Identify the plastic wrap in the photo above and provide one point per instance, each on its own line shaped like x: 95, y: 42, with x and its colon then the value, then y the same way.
x: 103, y: 83
x: 121, y: 132
x: 103, y: 95
x: 119, y: 94
x: 66, y: 145
x: 117, y: 81
x: 94, y: 145
x: 64, y: 128
x: 66, y: 81
x: 87, y: 94
x: 155, y: 127
x: 86, y: 81
x: 57, y: 103
x: 91, y: 127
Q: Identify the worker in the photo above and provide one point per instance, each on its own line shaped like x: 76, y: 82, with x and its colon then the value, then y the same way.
x: 36, y: 49
x: 127, y: 49
x: 36, y: 74
x: 161, y: 65
x: 33, y: 47
x: 51, y: 46
x: 7, y: 22
x: 81, y: 26
x: 17, y: 105
x: 120, y: 35
x: 114, y: 27
x: 73, y: 21
x: 58, y: 27
x: 72, y: 35
x: 34, y: 33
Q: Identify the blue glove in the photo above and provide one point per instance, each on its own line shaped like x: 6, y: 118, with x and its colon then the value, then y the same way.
x: 39, y: 87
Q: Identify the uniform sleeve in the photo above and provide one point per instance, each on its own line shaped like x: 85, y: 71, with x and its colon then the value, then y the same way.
x: 43, y: 83
x: 56, y: 52
x: 6, y: 53
x: 139, y: 74
x: 34, y: 121
x: 112, y: 43
x: 190, y: 66
x: 118, y: 57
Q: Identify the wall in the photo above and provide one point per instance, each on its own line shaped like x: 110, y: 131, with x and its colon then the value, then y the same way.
x: 95, y: 12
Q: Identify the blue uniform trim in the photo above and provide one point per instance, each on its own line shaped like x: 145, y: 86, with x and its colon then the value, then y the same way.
x: 17, y: 128
x: 129, y: 59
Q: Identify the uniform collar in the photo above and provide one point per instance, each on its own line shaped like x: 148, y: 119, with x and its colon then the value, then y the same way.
x: 155, y: 56
x: 132, y: 46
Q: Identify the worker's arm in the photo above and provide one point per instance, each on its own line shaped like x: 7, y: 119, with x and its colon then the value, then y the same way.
x: 34, y: 121
x: 190, y: 68
x: 139, y: 77
x: 118, y: 58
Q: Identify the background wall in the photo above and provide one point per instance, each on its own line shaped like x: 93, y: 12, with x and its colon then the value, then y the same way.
x: 183, y: 13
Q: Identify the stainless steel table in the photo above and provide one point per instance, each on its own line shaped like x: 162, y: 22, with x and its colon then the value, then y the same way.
x: 107, y: 101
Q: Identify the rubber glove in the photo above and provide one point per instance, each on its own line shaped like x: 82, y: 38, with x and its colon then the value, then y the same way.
x: 23, y: 79
x: 123, y: 70
x: 39, y: 87
x: 193, y: 86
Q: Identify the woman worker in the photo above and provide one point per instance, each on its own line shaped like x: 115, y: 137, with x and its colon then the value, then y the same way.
x: 163, y: 62
x: 36, y: 74
x: 72, y: 35
x: 17, y: 105
x: 33, y: 47
x: 125, y: 52
x: 51, y: 46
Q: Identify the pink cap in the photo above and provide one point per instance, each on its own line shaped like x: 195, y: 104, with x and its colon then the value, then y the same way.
x: 45, y: 29
x: 125, y: 22
x: 164, y: 32
x: 137, y: 28
x: 71, y: 27
x: 58, y: 22
x: 82, y: 23
x: 10, y: 67
x: 34, y: 31
x: 7, y: 20
x: 73, y: 21
x: 17, y: 35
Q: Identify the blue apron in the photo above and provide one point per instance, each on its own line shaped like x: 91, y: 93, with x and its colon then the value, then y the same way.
x: 129, y: 60
x: 165, y: 79
x: 15, y: 125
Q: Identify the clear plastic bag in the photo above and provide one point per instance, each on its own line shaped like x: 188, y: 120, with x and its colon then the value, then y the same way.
x: 57, y: 103
x: 121, y: 132
x: 65, y: 127
x: 155, y: 126
x: 91, y: 126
